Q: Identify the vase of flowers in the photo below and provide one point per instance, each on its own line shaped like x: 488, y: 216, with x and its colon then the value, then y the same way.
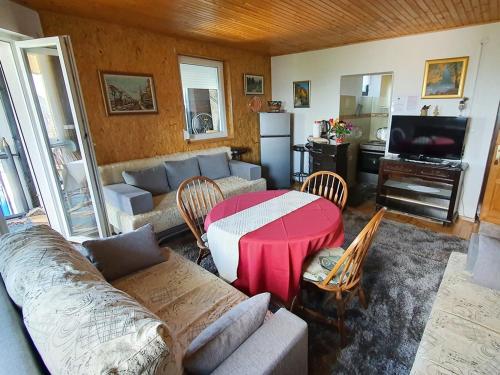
x: 340, y: 129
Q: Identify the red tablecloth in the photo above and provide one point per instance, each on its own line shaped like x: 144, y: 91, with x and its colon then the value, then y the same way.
x: 271, y: 257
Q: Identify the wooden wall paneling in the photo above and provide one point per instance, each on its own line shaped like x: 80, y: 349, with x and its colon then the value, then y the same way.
x: 285, y: 26
x: 104, y: 46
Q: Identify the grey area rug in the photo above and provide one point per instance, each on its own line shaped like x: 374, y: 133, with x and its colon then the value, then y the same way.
x: 402, y: 274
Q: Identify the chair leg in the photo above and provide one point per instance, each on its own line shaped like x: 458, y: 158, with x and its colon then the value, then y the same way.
x: 202, y: 254
x: 362, y: 298
x: 340, y: 320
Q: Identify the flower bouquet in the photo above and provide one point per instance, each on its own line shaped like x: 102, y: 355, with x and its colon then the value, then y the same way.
x: 340, y: 128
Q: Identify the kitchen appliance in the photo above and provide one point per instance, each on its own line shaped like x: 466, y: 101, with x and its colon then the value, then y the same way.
x: 419, y: 137
x: 276, y: 149
x: 369, y: 161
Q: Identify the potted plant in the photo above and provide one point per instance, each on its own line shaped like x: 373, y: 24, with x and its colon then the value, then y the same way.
x: 340, y: 129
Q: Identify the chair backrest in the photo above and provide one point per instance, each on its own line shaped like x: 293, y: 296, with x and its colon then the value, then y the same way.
x: 327, y: 184
x: 349, y: 268
x: 196, y: 196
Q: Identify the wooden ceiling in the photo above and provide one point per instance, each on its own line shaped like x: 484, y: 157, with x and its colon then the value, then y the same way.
x: 279, y: 27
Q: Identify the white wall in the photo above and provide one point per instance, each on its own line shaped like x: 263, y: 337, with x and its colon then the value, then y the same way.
x: 404, y: 57
x: 19, y: 19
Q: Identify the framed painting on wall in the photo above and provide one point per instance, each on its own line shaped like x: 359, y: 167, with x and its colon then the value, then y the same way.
x: 445, y: 78
x: 128, y: 93
x: 254, y: 85
x: 301, y: 94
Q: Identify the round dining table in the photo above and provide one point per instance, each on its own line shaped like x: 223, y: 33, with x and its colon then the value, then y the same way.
x: 271, y: 257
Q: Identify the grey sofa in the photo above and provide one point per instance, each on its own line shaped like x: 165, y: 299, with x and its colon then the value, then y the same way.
x: 129, y: 207
x: 279, y: 346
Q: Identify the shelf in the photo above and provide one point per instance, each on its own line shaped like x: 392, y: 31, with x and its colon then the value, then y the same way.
x: 424, y: 190
x: 419, y: 189
x: 416, y: 201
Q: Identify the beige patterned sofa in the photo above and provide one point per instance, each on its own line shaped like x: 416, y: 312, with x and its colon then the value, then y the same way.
x: 164, y: 216
x: 462, y: 335
x: 142, y: 324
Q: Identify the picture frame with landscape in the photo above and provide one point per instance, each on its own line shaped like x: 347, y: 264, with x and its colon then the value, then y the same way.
x: 128, y: 93
x: 445, y: 78
x: 254, y: 84
x: 301, y: 94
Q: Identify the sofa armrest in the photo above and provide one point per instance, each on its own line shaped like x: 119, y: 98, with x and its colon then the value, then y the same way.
x: 18, y: 353
x: 128, y: 198
x: 244, y: 170
x: 278, y: 347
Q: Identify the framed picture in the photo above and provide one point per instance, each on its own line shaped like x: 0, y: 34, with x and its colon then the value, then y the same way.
x: 128, y: 93
x: 301, y: 94
x: 445, y: 78
x: 254, y: 85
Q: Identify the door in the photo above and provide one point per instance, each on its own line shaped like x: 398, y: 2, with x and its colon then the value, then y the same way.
x: 59, y: 136
x: 490, y: 208
x: 275, y: 160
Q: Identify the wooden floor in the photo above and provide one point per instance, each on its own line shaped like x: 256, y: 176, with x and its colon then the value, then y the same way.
x: 461, y: 228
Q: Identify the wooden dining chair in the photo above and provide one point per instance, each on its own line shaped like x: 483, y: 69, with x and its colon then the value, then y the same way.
x: 328, y: 185
x: 196, y: 196
x: 339, y: 272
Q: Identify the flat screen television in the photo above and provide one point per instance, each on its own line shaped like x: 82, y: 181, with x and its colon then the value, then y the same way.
x: 428, y: 136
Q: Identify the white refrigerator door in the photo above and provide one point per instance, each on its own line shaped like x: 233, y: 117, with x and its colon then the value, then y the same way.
x: 275, y: 160
x: 274, y: 124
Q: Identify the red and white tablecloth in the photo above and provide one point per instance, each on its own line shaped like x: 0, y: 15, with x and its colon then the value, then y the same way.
x: 271, y: 257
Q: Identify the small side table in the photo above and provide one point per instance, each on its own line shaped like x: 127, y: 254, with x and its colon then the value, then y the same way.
x: 300, y: 174
x: 236, y: 152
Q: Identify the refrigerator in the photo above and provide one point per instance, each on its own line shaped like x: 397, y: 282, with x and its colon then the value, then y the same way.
x: 276, y: 149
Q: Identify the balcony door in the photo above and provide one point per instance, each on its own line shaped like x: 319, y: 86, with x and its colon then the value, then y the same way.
x: 60, y: 138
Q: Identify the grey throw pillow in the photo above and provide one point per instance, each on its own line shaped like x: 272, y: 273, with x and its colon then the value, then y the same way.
x: 123, y: 254
x: 180, y: 170
x: 221, y: 338
x: 487, y: 266
x: 214, y: 166
x: 153, y: 179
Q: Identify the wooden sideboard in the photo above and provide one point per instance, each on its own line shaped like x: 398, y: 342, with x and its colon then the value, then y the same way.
x: 422, y: 189
x: 326, y: 157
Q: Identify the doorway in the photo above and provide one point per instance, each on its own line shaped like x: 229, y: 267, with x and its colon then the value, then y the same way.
x: 365, y: 101
x: 56, y: 139
x: 490, y: 205
x: 19, y: 202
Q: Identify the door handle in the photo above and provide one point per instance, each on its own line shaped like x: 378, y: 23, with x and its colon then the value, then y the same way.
x: 497, y: 157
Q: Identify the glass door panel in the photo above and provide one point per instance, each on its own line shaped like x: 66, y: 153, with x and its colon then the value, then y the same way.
x: 62, y: 135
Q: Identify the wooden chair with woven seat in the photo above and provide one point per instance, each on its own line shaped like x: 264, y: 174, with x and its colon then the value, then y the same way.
x: 196, y: 196
x: 339, y: 272
x: 328, y: 185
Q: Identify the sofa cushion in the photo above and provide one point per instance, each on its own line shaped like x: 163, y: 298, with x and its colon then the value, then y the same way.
x: 152, y: 179
x: 214, y: 166
x: 216, y: 342
x: 123, y: 254
x: 40, y: 257
x: 165, y: 214
x: 128, y: 198
x: 185, y: 296
x: 180, y: 170
x: 487, y: 266
x: 462, y: 333
x: 89, y: 327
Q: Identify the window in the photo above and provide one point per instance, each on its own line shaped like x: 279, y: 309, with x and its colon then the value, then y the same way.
x: 204, y: 100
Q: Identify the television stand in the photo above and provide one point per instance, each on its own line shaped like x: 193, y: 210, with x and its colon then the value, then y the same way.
x: 421, y: 188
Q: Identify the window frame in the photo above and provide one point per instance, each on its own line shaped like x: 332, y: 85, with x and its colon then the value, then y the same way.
x: 219, y: 65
